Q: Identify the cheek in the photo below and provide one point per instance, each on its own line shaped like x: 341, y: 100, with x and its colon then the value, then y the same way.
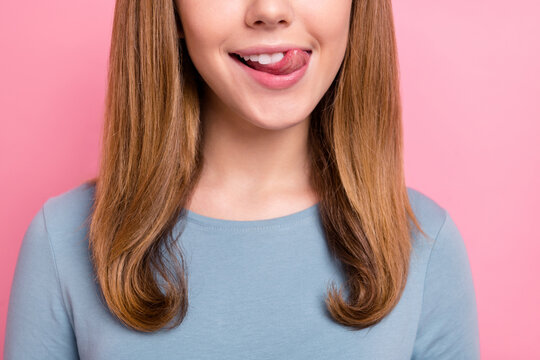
x: 206, y: 24
x: 328, y: 21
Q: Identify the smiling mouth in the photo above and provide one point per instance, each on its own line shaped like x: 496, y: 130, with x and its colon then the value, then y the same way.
x: 291, y: 61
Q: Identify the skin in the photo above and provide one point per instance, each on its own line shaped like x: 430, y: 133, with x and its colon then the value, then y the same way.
x: 255, y: 138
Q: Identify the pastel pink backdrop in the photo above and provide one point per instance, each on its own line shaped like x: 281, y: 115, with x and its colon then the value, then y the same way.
x: 471, y: 94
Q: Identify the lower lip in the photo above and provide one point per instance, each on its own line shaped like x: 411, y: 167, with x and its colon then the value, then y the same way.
x: 271, y: 81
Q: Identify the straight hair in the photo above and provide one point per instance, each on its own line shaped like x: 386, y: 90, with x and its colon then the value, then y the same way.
x: 151, y: 161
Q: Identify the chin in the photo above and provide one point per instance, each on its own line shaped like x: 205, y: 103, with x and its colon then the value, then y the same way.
x: 277, y: 118
x: 277, y: 122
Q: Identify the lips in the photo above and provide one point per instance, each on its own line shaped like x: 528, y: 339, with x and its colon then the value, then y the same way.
x: 269, y: 80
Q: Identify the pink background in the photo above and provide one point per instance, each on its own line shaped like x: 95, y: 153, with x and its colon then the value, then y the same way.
x: 471, y: 101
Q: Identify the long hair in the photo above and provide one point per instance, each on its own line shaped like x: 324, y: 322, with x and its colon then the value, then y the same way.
x: 151, y: 160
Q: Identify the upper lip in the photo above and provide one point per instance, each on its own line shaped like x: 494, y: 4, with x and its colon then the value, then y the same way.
x: 268, y: 49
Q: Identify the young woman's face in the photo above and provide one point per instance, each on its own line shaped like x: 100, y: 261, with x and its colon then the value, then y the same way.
x: 310, y: 34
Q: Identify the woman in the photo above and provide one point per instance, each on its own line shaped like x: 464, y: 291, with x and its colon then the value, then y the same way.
x: 250, y: 203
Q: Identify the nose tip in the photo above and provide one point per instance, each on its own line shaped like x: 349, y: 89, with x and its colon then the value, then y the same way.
x: 269, y: 13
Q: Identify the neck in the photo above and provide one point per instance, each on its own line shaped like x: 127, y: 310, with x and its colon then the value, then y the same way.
x: 249, y: 160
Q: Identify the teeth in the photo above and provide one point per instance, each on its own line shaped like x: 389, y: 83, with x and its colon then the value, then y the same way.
x: 265, y: 58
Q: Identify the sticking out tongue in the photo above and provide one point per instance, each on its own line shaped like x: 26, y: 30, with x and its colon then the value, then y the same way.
x: 292, y: 60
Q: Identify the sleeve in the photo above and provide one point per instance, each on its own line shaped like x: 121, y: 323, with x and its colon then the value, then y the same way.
x: 448, y: 326
x: 37, y: 326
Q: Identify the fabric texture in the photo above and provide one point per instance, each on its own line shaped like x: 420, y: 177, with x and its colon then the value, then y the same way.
x: 256, y: 290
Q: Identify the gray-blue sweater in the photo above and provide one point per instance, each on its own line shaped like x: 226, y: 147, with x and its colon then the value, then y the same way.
x: 256, y: 291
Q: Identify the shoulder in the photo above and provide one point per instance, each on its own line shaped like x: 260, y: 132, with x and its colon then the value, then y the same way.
x: 430, y: 214
x: 443, y: 248
x: 445, y: 240
x: 66, y: 221
x: 448, y: 324
x: 444, y: 257
x: 61, y: 223
x: 70, y: 210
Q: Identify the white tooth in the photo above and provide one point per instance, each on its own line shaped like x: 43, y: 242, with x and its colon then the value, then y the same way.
x: 265, y: 59
x: 277, y: 57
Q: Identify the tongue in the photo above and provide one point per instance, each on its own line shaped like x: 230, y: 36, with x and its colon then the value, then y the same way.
x: 292, y: 61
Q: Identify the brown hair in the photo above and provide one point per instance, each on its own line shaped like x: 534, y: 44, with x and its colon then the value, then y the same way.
x: 151, y: 161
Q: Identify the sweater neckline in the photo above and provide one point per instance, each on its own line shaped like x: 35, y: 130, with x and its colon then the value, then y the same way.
x: 275, y: 222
